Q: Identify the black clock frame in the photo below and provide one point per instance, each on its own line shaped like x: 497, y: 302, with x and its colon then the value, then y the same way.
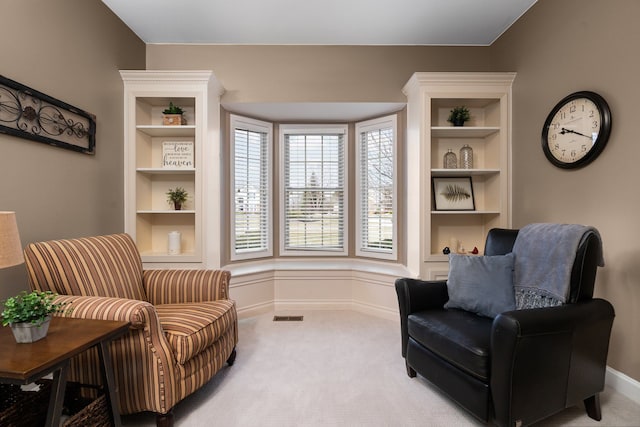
x: 603, y: 135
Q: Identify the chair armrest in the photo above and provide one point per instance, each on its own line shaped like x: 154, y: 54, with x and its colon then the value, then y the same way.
x: 555, y: 357
x: 181, y: 286
x: 138, y: 313
x: 416, y: 295
x: 144, y: 364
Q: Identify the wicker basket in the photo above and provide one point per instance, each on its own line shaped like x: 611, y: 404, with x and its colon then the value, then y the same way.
x: 23, y: 408
x: 95, y: 414
x: 29, y: 408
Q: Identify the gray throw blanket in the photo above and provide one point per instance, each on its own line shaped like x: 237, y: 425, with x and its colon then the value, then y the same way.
x: 544, y: 256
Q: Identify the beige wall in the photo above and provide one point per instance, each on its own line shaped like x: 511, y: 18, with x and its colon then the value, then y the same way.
x: 71, y: 50
x: 315, y: 73
x: 559, y: 47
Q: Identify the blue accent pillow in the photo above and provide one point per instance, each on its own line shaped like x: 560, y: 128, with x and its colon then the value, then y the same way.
x: 481, y: 284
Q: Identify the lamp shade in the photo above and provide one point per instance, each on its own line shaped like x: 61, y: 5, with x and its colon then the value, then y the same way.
x: 10, y: 246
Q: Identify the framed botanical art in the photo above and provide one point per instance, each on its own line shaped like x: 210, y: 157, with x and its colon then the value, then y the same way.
x: 453, y: 194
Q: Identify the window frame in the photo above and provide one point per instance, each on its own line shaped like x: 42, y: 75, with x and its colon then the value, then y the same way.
x: 251, y: 125
x: 360, y: 128
x: 314, y: 129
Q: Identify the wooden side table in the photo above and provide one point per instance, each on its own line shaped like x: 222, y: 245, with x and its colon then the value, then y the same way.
x: 67, y: 337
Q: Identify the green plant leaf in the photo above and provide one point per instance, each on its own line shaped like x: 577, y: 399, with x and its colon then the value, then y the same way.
x: 31, y: 307
x: 177, y: 195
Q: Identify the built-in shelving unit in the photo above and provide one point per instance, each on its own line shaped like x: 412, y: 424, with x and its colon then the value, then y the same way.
x: 149, y: 218
x: 431, y: 96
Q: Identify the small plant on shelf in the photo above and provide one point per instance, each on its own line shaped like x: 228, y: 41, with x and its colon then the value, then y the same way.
x: 173, y: 115
x: 177, y: 196
x: 459, y: 115
x: 173, y: 109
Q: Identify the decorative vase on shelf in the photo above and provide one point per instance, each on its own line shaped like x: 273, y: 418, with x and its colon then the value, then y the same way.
x: 174, y: 243
x: 450, y: 161
x: 466, y: 157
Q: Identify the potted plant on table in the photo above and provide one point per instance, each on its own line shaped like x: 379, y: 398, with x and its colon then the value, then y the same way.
x: 173, y: 116
x: 29, y: 314
x: 459, y: 115
x: 177, y: 196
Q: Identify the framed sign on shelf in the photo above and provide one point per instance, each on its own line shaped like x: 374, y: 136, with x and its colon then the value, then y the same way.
x: 453, y: 194
x: 177, y: 155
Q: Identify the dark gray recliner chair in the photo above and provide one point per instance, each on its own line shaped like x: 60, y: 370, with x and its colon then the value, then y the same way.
x: 523, y: 365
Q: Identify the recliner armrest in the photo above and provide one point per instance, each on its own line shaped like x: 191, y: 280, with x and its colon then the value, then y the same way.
x: 545, y: 359
x: 416, y: 295
x: 552, y: 319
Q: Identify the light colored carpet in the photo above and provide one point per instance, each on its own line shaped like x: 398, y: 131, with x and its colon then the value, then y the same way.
x: 337, y: 368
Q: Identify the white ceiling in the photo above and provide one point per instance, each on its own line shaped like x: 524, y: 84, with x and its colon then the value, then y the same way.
x: 320, y: 22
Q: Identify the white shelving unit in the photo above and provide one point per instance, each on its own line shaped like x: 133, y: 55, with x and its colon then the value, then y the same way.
x: 148, y: 216
x: 431, y: 96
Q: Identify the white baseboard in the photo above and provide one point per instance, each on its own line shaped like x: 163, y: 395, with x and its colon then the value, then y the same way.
x: 254, y: 310
x: 292, y: 305
x: 623, y: 384
x: 375, y: 310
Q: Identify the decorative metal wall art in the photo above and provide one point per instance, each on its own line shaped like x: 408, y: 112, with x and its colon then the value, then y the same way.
x: 27, y: 113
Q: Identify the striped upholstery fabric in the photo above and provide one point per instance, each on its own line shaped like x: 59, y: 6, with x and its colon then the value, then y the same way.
x: 97, y: 266
x: 143, y: 364
x: 201, y: 368
x: 190, y: 328
x: 180, y: 286
x: 102, y: 278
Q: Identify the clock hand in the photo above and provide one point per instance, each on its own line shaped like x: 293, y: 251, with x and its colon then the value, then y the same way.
x: 565, y: 130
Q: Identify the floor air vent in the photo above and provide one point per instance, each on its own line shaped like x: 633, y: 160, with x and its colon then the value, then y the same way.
x: 288, y: 318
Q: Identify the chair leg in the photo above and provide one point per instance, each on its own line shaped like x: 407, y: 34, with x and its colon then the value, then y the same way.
x: 165, y: 420
x: 592, y: 405
x: 410, y: 371
x: 232, y: 357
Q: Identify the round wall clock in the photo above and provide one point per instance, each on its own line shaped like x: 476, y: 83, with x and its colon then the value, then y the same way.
x: 576, y: 130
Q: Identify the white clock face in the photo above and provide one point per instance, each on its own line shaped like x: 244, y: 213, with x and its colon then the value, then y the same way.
x: 574, y: 130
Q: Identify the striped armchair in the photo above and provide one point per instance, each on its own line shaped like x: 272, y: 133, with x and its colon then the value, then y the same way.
x: 183, y: 324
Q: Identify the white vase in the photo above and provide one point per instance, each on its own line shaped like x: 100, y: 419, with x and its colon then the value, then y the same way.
x: 175, y: 240
x: 26, y: 332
